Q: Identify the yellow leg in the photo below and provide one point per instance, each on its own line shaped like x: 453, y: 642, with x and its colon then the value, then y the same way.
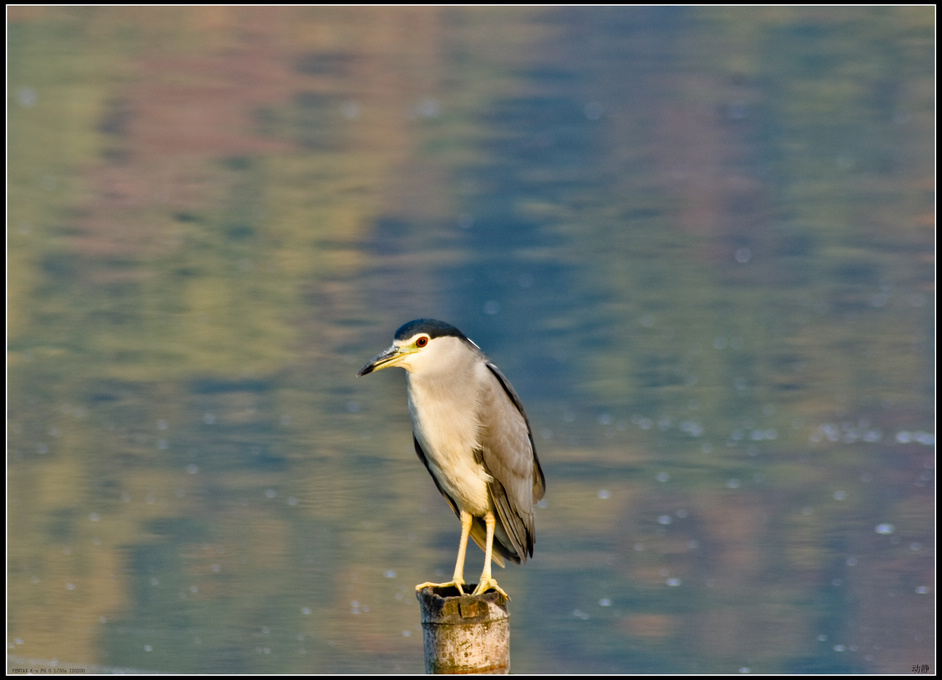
x: 458, y: 578
x: 487, y: 583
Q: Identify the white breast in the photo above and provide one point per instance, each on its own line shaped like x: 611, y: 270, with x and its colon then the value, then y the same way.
x: 449, y: 442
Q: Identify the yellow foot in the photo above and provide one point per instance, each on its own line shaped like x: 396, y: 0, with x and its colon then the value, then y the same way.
x: 449, y: 584
x: 487, y: 583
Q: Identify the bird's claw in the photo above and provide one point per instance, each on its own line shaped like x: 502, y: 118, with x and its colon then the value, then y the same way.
x: 486, y: 584
x: 450, y: 584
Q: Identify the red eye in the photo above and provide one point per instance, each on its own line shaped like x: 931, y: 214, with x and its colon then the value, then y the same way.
x: 422, y: 342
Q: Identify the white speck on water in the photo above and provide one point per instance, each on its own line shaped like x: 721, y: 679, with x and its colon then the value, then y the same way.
x: 27, y: 97
x: 351, y: 110
x: 428, y: 108
x: 594, y: 110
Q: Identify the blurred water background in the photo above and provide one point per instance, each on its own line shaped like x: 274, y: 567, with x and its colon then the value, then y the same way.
x: 699, y: 241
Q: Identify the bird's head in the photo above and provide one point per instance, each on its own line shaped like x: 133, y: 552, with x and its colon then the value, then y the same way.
x: 420, y: 345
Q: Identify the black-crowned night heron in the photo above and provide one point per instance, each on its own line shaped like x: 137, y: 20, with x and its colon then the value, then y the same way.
x: 471, y: 432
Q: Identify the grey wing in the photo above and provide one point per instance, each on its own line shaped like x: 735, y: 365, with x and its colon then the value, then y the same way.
x: 508, y: 454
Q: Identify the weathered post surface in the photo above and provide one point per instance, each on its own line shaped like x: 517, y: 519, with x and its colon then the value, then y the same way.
x: 465, y: 633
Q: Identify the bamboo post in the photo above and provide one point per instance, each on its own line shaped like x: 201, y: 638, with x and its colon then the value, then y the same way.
x: 465, y: 633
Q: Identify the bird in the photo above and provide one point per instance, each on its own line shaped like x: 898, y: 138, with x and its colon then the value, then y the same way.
x: 471, y: 432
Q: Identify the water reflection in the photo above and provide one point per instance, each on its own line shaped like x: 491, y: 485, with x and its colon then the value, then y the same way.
x: 698, y: 241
